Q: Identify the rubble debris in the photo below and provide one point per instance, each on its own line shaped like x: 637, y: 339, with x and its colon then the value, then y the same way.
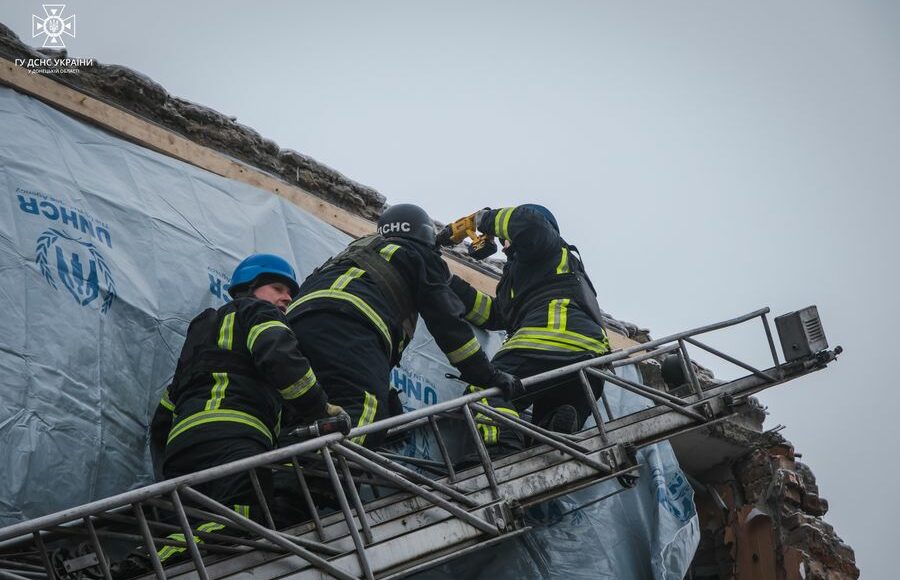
x: 771, y: 525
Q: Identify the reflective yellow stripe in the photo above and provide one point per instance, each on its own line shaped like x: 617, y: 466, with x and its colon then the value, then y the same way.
x: 563, y: 266
x: 489, y: 432
x: 347, y: 277
x: 464, y: 352
x: 166, y: 401
x: 209, y: 527
x: 244, y: 509
x: 226, y: 332
x: 481, y: 311
x: 539, y: 344
x: 226, y: 415
x: 556, y: 340
x: 220, y: 383
x: 562, y: 336
x: 167, y: 552
x: 368, y: 416
x: 259, y: 329
x: 299, y: 388
x: 512, y: 412
x: 501, y: 222
x: 356, y: 301
x: 387, y: 252
x: 557, y: 313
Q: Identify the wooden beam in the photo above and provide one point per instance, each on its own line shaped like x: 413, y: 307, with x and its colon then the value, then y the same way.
x: 147, y: 134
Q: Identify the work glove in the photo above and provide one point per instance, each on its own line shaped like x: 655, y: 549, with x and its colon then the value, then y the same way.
x: 511, y: 386
x: 336, y: 411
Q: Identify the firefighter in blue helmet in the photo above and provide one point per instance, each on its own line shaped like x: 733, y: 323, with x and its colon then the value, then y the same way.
x: 239, y: 366
x: 548, y: 307
x: 356, y: 313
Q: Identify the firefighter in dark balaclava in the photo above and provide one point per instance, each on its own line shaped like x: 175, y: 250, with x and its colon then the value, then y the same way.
x: 356, y: 313
x: 548, y: 308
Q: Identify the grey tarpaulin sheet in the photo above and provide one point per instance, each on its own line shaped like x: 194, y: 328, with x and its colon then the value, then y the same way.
x: 107, y: 250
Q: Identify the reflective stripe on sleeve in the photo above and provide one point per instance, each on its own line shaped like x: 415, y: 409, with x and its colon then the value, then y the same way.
x: 260, y: 328
x: 464, y: 352
x: 501, y: 222
x: 481, y: 310
x: 299, y: 388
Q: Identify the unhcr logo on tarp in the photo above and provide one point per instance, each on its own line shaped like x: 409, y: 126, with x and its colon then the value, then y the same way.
x: 77, y: 272
x: 69, y: 261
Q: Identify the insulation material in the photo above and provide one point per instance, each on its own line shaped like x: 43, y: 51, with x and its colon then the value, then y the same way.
x: 109, y: 249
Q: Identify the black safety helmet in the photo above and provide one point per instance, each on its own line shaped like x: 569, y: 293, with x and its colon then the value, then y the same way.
x: 406, y: 220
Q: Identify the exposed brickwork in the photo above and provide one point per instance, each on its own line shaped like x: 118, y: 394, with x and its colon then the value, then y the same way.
x: 771, y: 500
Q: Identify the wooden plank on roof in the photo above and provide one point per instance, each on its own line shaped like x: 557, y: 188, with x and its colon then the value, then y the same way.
x: 152, y: 136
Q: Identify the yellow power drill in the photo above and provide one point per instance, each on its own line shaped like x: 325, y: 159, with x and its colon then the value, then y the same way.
x: 482, y: 245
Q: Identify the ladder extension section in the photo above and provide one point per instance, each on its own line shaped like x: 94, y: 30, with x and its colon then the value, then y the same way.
x: 408, y: 521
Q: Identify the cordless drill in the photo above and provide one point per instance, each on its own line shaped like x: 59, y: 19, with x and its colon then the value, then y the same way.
x: 338, y: 424
x: 454, y: 233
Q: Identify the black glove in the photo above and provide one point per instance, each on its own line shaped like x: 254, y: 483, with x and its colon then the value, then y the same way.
x: 511, y: 386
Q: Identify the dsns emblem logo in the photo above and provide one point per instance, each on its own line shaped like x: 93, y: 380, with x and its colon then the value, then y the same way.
x: 78, y: 265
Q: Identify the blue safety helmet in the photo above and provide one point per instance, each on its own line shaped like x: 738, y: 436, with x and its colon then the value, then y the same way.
x: 268, y: 265
x: 544, y: 212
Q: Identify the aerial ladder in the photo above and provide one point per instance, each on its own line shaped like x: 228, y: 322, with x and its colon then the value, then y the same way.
x: 390, y: 517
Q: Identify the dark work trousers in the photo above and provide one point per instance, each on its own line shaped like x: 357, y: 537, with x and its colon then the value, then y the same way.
x: 233, y: 491
x: 545, y: 396
x: 350, y: 362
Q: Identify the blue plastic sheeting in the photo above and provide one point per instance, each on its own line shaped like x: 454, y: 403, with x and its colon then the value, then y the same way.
x: 107, y: 251
x: 649, y: 531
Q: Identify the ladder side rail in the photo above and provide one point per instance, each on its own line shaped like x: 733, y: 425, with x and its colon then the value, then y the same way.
x: 348, y: 516
x: 274, y: 537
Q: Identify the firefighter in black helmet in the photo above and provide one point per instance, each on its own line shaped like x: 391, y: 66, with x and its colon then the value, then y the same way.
x: 357, y: 312
x: 548, y: 307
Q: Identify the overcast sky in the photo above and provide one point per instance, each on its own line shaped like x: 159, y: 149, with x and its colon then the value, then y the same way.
x: 708, y: 157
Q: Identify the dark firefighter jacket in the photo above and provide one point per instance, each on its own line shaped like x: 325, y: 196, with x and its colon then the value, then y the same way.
x: 341, y: 285
x: 238, y: 366
x: 544, y: 300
